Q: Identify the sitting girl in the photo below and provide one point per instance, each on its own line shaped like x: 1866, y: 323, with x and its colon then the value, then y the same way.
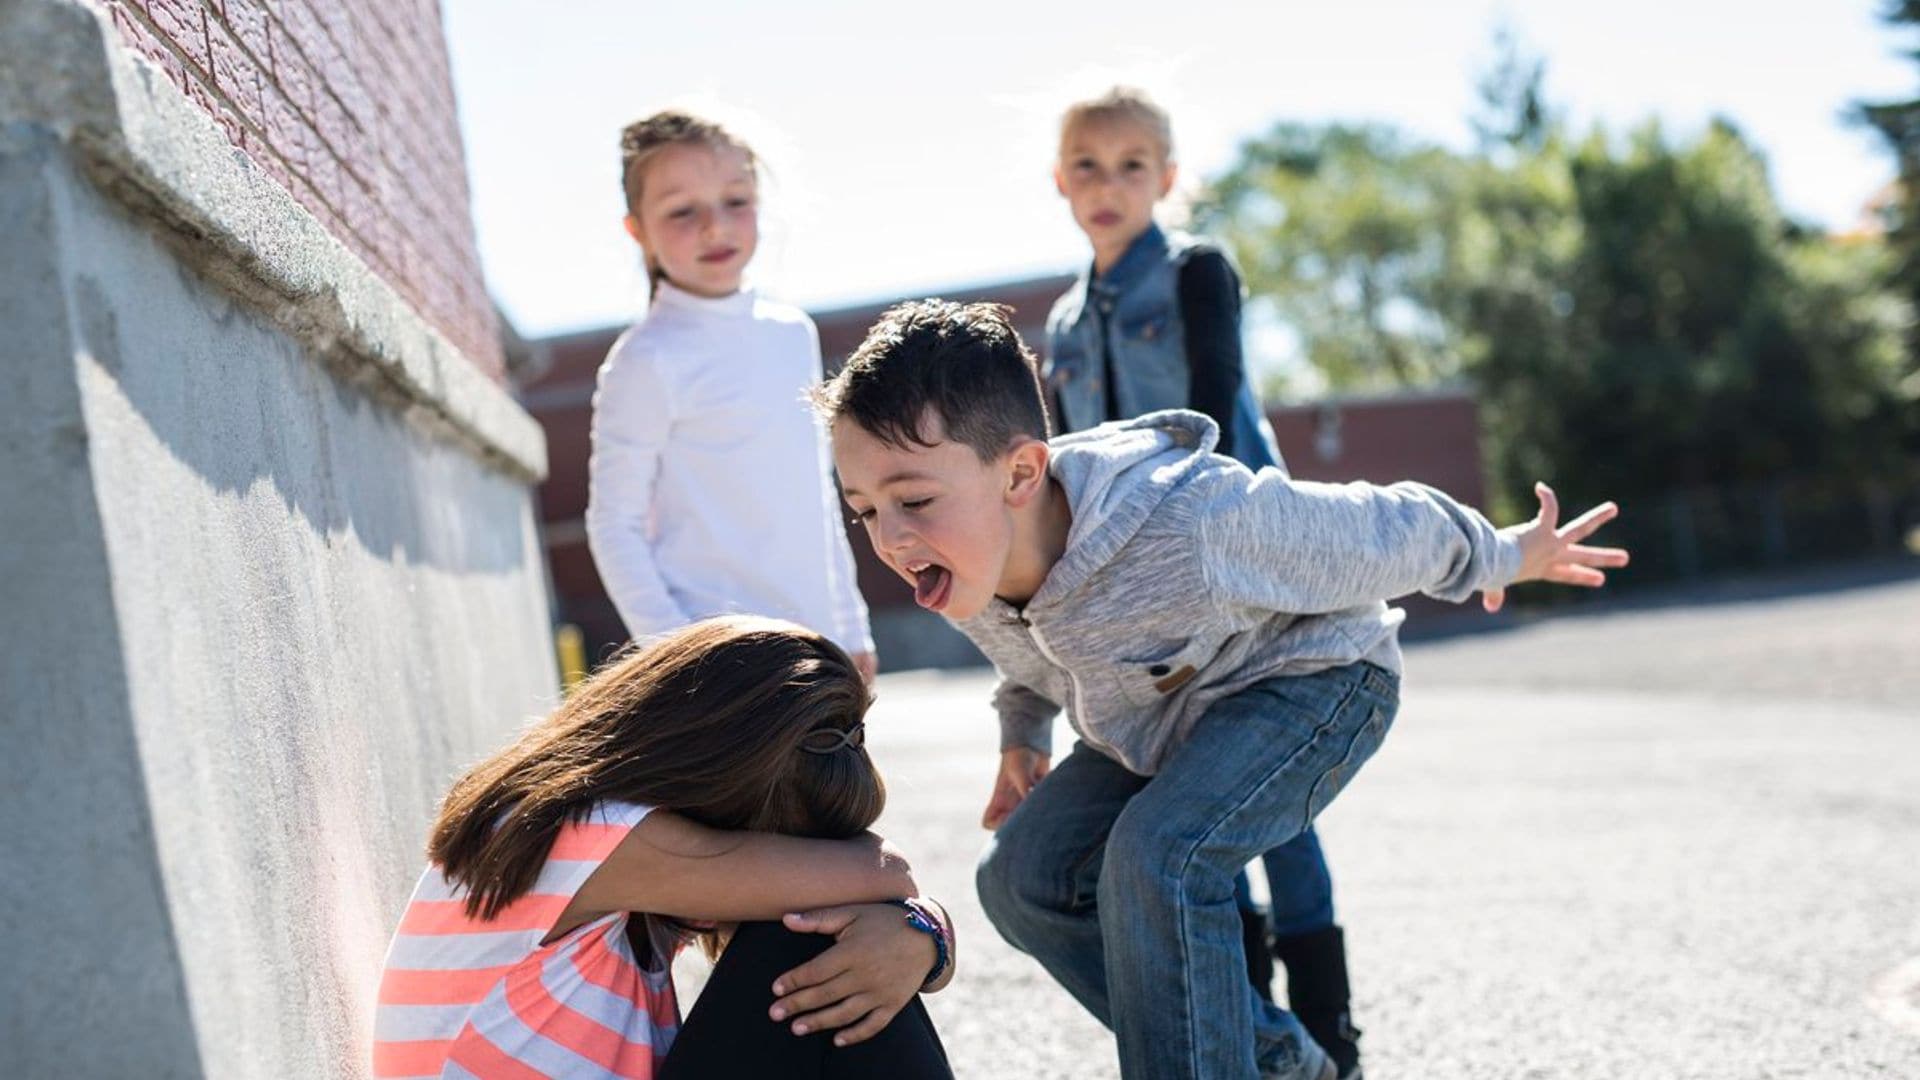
x: 696, y: 789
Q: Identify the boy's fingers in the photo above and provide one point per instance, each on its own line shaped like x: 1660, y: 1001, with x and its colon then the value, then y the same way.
x: 872, y: 1024
x: 1549, y: 504
x: 1577, y: 575
x: 1597, y: 556
x: 997, y: 813
x: 1583, y: 526
x: 1492, y: 599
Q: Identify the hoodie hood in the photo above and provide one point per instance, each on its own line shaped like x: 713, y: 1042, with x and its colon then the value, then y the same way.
x: 1114, y: 476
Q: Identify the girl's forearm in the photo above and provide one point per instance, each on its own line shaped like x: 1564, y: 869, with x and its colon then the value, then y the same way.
x: 671, y: 866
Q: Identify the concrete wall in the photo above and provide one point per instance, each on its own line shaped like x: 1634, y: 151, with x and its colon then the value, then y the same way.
x: 270, y: 576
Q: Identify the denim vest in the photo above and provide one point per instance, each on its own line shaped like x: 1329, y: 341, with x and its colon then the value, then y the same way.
x: 1134, y: 309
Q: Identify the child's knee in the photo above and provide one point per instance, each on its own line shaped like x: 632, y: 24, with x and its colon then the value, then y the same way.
x: 1012, y: 880
x: 1144, y: 861
x: 996, y: 878
x: 764, y: 950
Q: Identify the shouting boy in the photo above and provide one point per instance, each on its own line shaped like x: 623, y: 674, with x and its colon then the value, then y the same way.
x: 1218, y: 638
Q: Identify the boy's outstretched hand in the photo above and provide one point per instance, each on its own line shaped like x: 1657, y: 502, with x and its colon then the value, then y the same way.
x: 1020, y: 769
x: 1550, y: 551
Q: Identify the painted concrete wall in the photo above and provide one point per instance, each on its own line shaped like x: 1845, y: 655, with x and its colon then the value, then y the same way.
x: 270, y: 577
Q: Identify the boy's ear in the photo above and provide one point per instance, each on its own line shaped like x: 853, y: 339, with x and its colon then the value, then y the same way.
x: 634, y: 230
x: 1026, y: 471
x: 1059, y: 181
x: 1167, y: 176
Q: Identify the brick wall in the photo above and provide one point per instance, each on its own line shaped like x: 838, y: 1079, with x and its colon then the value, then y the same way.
x: 349, y: 105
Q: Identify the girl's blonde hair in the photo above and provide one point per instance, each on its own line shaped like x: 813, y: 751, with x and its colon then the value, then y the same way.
x: 642, y: 140
x: 1121, y: 103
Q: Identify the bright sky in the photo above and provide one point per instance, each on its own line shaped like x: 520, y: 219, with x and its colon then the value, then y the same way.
x: 910, y: 150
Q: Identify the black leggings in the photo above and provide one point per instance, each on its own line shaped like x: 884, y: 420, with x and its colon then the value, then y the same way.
x: 728, y: 1034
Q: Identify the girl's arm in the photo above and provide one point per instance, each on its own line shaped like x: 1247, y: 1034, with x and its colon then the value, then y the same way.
x: 632, y: 420
x: 669, y: 865
x: 1210, y: 312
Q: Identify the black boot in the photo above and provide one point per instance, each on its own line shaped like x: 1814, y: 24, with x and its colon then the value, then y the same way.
x: 1253, y: 935
x: 1318, y: 994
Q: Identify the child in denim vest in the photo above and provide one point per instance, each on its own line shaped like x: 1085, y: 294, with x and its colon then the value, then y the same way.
x: 1154, y: 323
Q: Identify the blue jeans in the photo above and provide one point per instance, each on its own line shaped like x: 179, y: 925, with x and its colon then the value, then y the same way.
x: 1122, y: 885
x: 1299, y: 887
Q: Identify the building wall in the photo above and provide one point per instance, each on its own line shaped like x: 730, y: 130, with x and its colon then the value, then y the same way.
x: 1432, y: 437
x: 272, y: 577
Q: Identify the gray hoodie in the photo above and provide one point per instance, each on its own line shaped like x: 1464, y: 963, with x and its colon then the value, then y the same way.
x: 1186, y: 578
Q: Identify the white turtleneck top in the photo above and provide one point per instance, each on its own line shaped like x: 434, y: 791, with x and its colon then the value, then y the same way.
x: 711, y: 486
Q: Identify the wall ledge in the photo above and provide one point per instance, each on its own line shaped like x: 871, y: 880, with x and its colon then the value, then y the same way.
x: 141, y: 140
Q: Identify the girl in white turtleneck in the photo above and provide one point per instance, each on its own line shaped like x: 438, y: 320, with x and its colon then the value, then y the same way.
x: 710, y: 485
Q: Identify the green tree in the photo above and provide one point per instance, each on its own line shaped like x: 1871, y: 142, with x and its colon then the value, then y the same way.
x: 1336, y: 228
x: 1898, y: 122
x: 1636, y: 313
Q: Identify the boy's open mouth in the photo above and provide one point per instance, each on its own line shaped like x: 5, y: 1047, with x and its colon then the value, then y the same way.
x: 932, y: 585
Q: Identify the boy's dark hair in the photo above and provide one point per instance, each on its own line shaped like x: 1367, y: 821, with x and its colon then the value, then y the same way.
x: 963, y: 361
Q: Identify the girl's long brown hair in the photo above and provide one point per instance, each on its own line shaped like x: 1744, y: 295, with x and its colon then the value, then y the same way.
x: 707, y: 722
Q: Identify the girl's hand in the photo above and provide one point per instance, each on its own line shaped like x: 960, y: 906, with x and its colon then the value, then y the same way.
x: 1551, y: 553
x: 1020, y: 769
x: 867, y: 664
x: 874, y: 969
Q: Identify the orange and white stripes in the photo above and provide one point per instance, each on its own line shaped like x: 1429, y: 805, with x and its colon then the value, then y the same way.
x: 484, y: 999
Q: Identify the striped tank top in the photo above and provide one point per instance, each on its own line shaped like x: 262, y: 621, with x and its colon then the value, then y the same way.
x: 464, y: 997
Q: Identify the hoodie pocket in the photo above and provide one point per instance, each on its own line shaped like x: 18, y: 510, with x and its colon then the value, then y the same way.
x: 1149, y: 679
